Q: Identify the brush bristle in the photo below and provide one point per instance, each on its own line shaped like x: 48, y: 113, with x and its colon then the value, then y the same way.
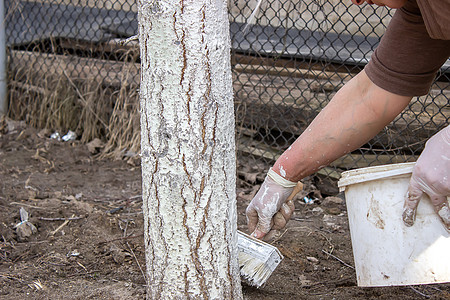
x: 257, y: 259
x: 253, y: 270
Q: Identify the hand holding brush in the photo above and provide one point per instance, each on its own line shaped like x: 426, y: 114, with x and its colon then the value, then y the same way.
x: 268, y: 212
x: 272, y: 206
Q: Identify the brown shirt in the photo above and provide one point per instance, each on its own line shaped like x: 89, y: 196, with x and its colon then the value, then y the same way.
x: 436, y: 16
x: 416, y: 44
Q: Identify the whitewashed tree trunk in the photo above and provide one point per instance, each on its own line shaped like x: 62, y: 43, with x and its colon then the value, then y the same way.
x: 188, y: 150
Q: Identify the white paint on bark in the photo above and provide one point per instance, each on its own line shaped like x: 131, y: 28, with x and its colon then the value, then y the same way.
x: 188, y: 150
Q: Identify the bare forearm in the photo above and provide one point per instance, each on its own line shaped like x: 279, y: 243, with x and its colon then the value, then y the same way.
x: 354, y: 115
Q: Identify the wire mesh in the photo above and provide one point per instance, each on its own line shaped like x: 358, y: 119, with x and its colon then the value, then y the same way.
x: 287, y: 64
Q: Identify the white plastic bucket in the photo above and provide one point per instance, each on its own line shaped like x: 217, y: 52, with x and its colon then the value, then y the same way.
x: 386, y: 252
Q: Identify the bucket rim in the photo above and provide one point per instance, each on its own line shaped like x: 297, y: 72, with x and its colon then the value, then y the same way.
x: 373, y: 173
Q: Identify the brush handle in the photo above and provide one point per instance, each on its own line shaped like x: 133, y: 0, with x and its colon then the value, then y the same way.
x: 295, y: 191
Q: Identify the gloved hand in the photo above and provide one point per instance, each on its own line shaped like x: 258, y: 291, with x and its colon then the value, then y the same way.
x: 269, y: 208
x: 431, y: 175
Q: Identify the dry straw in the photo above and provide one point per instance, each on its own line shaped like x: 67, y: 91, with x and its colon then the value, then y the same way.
x: 69, y: 95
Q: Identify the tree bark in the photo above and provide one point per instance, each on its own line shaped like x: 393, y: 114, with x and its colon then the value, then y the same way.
x: 188, y: 150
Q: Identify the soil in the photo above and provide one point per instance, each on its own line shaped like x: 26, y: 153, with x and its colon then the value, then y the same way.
x: 98, y: 253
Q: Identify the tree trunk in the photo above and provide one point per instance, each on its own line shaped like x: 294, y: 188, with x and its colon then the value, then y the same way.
x: 188, y: 150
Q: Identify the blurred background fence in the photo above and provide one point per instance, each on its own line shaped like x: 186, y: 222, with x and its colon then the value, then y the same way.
x: 68, y: 69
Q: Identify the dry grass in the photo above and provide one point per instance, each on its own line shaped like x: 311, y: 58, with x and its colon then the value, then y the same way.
x: 42, y: 101
x: 87, y: 106
x: 123, y: 135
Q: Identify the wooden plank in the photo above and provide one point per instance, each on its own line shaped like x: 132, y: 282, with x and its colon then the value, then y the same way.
x: 332, y: 77
x: 264, y: 151
x: 116, y: 47
x: 273, y: 90
x: 274, y: 99
x: 346, y: 162
x: 355, y: 160
x: 28, y: 87
x: 106, y: 4
x: 111, y: 73
x: 288, y: 104
x: 237, y: 58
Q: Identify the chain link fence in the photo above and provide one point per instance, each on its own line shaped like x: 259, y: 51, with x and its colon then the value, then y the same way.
x: 69, y: 69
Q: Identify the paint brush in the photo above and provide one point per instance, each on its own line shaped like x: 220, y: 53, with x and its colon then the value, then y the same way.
x: 258, y: 259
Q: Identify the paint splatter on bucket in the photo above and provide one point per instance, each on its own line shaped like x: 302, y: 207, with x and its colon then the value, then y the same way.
x: 386, y: 252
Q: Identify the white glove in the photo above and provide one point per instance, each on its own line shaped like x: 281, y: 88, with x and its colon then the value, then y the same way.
x: 431, y: 175
x: 271, y: 198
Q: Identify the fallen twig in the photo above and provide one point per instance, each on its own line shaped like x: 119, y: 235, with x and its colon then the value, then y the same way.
x: 82, y: 266
x: 36, y: 284
x: 278, y: 237
x: 139, y: 265
x: 420, y: 293
x: 301, y: 219
x: 122, y: 238
x: 83, y: 273
x: 27, y: 205
x: 4, y: 257
x: 12, y: 277
x: 114, y: 210
x: 327, y: 283
x: 338, y: 259
x: 60, y: 219
x: 32, y: 242
x: 61, y: 226
x: 130, y: 39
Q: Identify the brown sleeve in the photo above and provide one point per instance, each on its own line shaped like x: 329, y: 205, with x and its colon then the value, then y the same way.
x: 407, y: 59
x: 436, y: 16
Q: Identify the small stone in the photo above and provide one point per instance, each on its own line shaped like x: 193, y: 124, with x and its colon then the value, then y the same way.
x: 328, y: 220
x: 333, y: 211
x: 332, y: 201
x: 117, y: 254
x: 312, y: 259
x: 24, y: 230
x: 317, y: 210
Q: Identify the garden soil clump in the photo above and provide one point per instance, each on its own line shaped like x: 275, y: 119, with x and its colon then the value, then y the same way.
x: 83, y: 236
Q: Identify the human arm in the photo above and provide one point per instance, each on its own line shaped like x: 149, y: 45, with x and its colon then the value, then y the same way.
x: 431, y: 175
x: 356, y: 113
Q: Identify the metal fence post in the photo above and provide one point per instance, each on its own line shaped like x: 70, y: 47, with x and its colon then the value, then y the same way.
x: 3, y: 102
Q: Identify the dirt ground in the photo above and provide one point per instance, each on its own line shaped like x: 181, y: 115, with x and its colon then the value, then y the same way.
x: 88, y: 239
